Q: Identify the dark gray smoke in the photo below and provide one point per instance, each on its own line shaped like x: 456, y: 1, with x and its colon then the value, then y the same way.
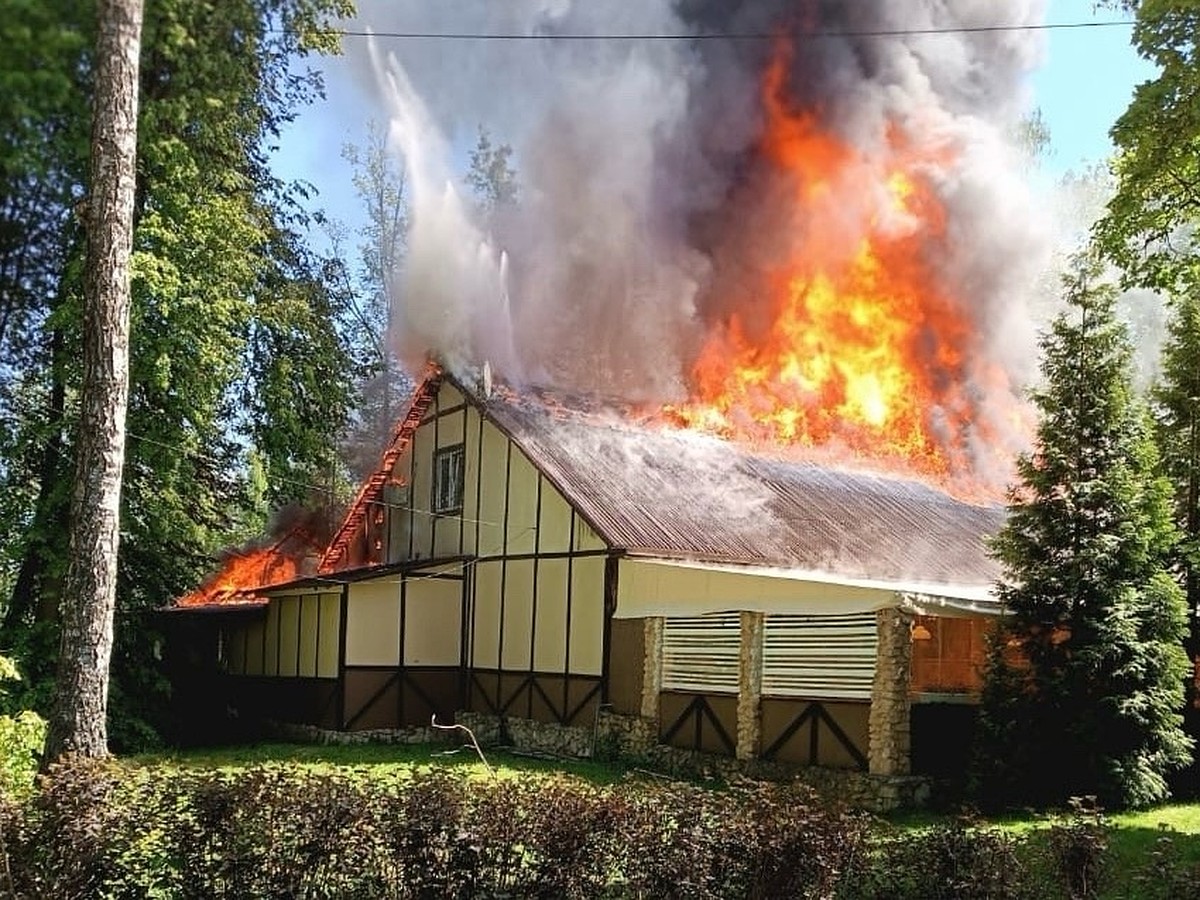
x: 646, y: 214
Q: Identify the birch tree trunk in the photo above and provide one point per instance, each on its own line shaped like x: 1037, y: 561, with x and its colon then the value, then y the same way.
x: 77, y: 724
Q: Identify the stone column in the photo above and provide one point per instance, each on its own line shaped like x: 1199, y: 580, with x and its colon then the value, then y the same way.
x: 652, y: 666
x: 889, y: 722
x: 749, y: 707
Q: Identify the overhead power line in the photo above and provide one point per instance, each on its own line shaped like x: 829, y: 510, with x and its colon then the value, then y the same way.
x: 712, y: 35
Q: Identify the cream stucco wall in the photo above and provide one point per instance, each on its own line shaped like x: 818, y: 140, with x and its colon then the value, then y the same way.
x: 518, y: 618
x: 330, y: 639
x: 486, y: 628
x: 432, y: 622
x: 518, y: 615
x: 373, y: 623
x: 509, y: 508
x: 657, y: 588
x: 550, y: 647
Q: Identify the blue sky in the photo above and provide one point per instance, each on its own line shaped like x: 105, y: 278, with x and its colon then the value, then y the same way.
x: 1085, y: 83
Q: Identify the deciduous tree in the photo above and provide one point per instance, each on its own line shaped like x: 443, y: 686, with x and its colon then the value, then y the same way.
x: 369, y: 287
x: 491, y: 175
x: 237, y: 352
x: 1150, y: 229
x: 78, y: 723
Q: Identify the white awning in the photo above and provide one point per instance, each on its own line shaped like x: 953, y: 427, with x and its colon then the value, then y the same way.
x: 672, y: 587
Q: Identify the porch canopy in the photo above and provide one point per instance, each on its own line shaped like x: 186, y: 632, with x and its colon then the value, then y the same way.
x: 649, y: 586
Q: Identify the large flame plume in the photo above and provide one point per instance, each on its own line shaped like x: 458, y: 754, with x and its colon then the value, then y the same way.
x: 823, y: 243
x: 853, y: 343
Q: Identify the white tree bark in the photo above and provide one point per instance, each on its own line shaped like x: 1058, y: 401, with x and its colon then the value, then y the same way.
x: 77, y: 724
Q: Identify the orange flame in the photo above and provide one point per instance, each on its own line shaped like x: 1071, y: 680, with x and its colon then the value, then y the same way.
x: 245, y: 572
x: 864, y: 349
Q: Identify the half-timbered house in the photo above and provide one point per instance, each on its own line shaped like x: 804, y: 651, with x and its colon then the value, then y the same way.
x: 561, y: 566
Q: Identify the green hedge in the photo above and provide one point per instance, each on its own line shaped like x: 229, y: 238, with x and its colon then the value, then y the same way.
x: 110, y: 830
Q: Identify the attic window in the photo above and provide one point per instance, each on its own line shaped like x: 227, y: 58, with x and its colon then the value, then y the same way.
x: 448, y: 479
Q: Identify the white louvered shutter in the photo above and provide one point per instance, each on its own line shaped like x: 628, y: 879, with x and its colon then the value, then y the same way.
x: 819, y: 657
x: 701, y: 653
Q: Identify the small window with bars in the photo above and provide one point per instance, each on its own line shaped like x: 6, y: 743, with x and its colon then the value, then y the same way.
x: 448, y: 471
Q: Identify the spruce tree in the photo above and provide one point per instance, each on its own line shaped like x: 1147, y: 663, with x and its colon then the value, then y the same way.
x: 1177, y: 417
x: 1177, y: 413
x: 1084, y: 688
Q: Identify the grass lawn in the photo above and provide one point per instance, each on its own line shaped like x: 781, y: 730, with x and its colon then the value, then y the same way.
x: 1133, y: 836
x: 383, y: 759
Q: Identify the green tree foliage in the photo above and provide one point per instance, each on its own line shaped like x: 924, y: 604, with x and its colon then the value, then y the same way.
x: 1177, y: 408
x: 1150, y: 229
x: 1176, y: 401
x: 1033, y: 138
x: 1151, y: 232
x: 237, y: 335
x: 1085, y: 680
x: 370, y: 292
x: 22, y: 734
x: 491, y: 176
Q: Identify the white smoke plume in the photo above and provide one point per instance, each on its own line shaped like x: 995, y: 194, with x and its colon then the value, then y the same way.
x: 644, y: 217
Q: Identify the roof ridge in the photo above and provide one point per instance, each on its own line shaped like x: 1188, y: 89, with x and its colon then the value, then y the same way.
x: 368, y: 492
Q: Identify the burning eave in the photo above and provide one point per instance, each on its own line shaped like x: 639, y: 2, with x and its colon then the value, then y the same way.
x: 259, y: 598
x: 337, y: 554
x: 247, y: 573
x: 242, y: 603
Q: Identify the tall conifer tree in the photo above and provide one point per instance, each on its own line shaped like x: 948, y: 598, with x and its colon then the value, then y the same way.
x: 1177, y: 405
x: 1085, y: 682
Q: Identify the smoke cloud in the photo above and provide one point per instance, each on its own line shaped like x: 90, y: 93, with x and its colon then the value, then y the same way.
x: 646, y: 218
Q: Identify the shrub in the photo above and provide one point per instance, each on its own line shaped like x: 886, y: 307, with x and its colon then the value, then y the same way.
x: 957, y: 859
x: 22, y: 735
x: 273, y: 832
x: 784, y: 841
x: 576, y: 837
x: 63, y: 846
x: 1079, y: 846
x: 668, y: 846
x: 107, y: 830
x: 420, y: 824
x: 1165, y: 875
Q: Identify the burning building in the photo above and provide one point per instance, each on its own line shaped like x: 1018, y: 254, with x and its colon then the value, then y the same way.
x: 801, y: 265
x: 556, y: 567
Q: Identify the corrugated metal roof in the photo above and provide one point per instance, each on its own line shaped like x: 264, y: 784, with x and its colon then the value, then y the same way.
x: 654, y: 489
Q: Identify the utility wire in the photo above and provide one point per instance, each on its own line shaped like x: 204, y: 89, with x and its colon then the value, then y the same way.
x: 703, y: 35
x: 25, y: 418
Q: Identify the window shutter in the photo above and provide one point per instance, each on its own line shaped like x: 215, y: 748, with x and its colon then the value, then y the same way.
x: 702, y: 653
x: 819, y: 657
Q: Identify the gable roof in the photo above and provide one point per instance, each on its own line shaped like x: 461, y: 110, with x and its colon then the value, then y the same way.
x: 370, y: 490
x: 658, y: 491
x: 651, y: 490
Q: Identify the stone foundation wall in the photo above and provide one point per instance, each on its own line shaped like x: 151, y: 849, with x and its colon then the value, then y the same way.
x: 311, y: 734
x: 876, y: 793
x: 530, y: 736
x: 652, y: 666
x: 634, y: 739
x: 626, y: 737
